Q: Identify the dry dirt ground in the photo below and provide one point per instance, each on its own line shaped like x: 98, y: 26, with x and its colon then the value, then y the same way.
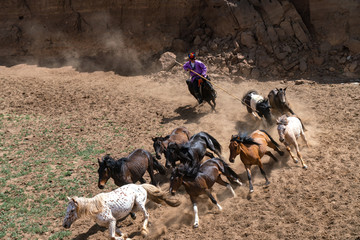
x: 322, y: 202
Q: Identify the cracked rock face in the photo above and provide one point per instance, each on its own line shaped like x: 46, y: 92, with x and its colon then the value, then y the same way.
x: 127, y: 36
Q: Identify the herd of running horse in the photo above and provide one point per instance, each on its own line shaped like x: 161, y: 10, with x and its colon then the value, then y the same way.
x: 192, y: 163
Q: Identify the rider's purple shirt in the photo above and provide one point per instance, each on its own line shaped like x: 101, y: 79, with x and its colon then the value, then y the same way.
x: 199, y: 67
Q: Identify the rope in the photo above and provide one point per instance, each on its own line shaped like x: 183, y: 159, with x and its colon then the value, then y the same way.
x: 219, y: 87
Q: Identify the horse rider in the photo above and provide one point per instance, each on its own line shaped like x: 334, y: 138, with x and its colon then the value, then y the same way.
x: 200, y: 68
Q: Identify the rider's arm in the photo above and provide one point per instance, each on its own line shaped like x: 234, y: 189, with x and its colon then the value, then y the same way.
x: 187, y: 66
x: 203, y: 69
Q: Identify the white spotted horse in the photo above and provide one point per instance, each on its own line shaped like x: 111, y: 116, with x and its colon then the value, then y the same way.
x: 107, y: 208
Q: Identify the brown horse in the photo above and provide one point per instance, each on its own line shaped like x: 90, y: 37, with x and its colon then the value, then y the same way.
x: 251, y: 149
x: 199, y: 183
x: 278, y: 101
x: 179, y: 135
x: 129, y: 169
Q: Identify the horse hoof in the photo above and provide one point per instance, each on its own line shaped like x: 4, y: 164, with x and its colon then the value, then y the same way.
x: 144, y: 232
x: 296, y: 161
x: 251, y: 190
x: 238, y: 182
x: 305, y: 167
x: 196, y: 225
x: 267, y: 183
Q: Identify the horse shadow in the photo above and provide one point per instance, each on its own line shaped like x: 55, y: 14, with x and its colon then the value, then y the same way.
x: 93, y: 230
x: 187, y: 113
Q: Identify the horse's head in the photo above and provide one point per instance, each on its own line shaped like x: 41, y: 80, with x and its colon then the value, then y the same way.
x: 281, y: 94
x: 176, y: 179
x: 158, y: 146
x: 282, y: 122
x: 171, y: 154
x: 71, y: 212
x: 234, y: 147
x: 104, y: 170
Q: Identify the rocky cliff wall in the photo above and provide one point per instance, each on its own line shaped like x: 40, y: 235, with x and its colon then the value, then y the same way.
x: 250, y: 38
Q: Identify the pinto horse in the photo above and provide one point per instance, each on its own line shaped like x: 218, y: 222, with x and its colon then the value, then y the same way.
x: 251, y: 149
x: 202, y: 181
x: 179, y: 135
x: 107, y: 208
x: 257, y: 105
x: 129, y: 169
x: 278, y: 101
x: 289, y: 129
x: 193, y: 151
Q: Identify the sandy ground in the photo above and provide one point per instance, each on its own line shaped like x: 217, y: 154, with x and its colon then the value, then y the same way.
x: 322, y: 202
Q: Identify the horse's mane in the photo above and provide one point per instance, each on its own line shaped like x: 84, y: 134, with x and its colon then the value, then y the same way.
x: 89, y: 206
x: 244, y: 139
x: 283, y: 120
x: 112, y: 163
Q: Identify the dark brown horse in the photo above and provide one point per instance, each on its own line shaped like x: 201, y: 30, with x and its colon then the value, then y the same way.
x: 207, y: 92
x: 278, y: 101
x: 207, y: 174
x: 251, y: 149
x: 129, y: 169
x: 179, y: 135
x: 193, y: 151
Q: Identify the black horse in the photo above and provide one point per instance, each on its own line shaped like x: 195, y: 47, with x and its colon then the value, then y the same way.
x: 257, y: 105
x: 278, y: 101
x: 129, y: 169
x: 194, y: 150
x: 207, y: 92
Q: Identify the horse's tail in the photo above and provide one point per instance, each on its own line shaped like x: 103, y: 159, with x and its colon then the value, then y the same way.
x: 226, y: 169
x: 156, y: 194
x: 302, y: 125
x: 158, y: 166
x: 271, y: 139
x: 213, y: 144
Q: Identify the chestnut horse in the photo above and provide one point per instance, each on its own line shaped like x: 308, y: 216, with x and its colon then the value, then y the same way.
x: 202, y: 181
x: 278, y: 101
x: 129, y: 169
x: 179, y: 135
x: 251, y: 149
x: 289, y: 129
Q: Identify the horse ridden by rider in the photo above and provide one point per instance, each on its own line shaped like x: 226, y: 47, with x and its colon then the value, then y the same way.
x: 199, y: 87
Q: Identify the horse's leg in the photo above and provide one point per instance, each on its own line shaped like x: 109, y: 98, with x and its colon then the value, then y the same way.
x: 249, y: 177
x: 291, y: 154
x: 226, y: 184
x: 196, y: 213
x: 271, y: 155
x: 113, y: 229
x: 263, y: 172
x: 140, y: 204
x: 299, y: 155
x: 213, y: 200
x: 304, y: 138
x: 151, y: 173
